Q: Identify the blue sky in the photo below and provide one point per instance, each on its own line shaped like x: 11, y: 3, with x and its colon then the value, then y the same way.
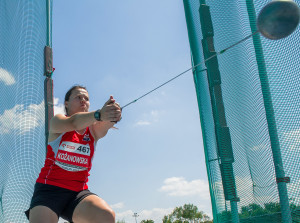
x: 155, y: 160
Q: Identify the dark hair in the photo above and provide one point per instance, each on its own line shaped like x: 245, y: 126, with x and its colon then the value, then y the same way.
x: 69, y: 92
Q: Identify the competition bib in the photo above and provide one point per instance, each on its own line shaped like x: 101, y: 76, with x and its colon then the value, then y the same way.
x: 74, y: 154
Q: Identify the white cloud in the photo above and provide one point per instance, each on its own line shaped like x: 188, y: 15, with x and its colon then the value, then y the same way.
x: 119, y: 205
x: 58, y: 107
x: 291, y: 137
x: 248, y: 193
x: 140, y: 123
x: 259, y: 147
x: 150, y: 118
x: 21, y: 118
x: 6, y: 77
x: 125, y: 215
x: 156, y: 214
x: 294, y: 138
x: 179, y: 187
x: 156, y: 115
x: 25, y: 119
x: 293, y: 188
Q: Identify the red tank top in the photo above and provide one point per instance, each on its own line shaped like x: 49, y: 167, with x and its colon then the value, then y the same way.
x: 69, y: 160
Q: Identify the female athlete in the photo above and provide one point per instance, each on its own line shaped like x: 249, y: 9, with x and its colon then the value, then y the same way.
x: 61, y: 189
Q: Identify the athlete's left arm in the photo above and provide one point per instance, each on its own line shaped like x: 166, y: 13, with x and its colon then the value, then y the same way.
x: 100, y: 129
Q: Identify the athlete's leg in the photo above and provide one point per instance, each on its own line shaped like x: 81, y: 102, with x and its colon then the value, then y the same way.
x: 43, y: 214
x: 93, y: 209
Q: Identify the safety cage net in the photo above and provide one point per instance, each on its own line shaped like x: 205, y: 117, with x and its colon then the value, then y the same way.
x: 24, y: 34
x: 250, y: 112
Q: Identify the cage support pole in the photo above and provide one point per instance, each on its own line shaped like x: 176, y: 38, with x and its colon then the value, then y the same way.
x: 267, y: 98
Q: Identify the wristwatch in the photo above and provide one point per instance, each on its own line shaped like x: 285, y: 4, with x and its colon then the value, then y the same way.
x: 97, y: 115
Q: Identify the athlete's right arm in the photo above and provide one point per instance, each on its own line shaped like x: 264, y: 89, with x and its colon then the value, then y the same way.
x: 60, y: 123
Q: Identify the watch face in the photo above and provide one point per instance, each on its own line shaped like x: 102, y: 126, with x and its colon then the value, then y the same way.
x: 97, y: 115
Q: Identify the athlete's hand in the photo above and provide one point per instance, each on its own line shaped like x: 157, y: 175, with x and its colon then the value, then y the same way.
x: 111, y: 111
x: 120, y: 110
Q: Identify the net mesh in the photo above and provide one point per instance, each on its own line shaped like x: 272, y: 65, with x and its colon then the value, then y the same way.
x: 246, y: 112
x: 23, y: 37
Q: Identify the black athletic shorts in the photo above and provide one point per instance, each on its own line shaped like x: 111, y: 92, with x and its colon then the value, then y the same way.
x: 60, y: 200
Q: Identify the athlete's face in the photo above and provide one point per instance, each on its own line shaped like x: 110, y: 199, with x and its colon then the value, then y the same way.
x: 78, y: 101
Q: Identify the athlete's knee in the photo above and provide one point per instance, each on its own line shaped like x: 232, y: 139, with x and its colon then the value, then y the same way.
x: 114, y: 215
x: 109, y: 216
x: 103, y: 216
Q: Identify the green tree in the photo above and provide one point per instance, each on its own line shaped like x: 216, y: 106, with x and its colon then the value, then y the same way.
x: 147, y: 221
x: 295, y: 209
x: 177, y: 213
x: 224, y: 216
x: 272, y: 207
x: 270, y: 211
x: 187, y: 213
x: 252, y: 210
x: 167, y: 219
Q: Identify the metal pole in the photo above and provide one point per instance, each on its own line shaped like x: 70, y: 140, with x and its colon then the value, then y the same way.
x: 275, y: 146
x: 197, y: 58
x: 48, y: 83
x: 48, y: 8
x: 222, y: 131
x: 135, y: 215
